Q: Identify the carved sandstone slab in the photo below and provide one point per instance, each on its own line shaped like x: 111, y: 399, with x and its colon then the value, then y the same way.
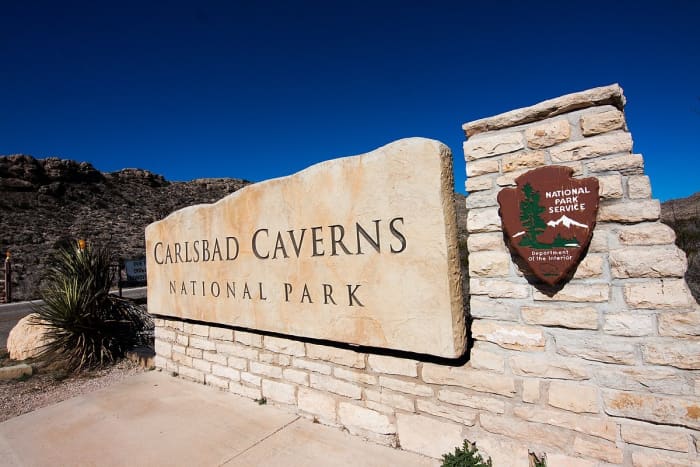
x: 360, y: 250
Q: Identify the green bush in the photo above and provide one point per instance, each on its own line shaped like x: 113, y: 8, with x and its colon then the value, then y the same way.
x: 86, y: 326
x: 466, y: 456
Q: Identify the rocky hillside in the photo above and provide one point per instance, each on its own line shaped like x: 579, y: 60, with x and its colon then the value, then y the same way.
x: 44, y: 202
x: 683, y: 215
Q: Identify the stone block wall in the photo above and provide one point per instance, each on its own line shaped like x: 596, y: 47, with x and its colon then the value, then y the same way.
x: 604, y: 372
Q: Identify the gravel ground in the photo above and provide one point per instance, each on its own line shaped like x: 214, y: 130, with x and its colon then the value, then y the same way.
x: 47, y: 387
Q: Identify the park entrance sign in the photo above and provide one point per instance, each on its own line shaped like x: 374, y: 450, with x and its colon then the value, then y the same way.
x: 359, y: 250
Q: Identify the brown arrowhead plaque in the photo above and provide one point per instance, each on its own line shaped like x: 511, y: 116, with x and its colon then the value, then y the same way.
x: 549, y: 219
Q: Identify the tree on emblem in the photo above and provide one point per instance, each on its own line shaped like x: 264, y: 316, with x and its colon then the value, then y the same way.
x: 530, y: 217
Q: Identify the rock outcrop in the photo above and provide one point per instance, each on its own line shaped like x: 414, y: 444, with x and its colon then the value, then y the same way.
x: 45, y: 202
x: 27, y: 338
x: 683, y: 216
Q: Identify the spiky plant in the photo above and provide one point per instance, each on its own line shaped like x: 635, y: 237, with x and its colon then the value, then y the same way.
x: 86, y: 327
x: 466, y: 456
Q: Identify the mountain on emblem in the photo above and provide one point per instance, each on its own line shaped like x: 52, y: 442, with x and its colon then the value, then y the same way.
x: 533, y: 218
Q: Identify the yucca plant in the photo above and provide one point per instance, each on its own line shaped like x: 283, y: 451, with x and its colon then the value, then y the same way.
x: 86, y: 326
x: 466, y: 456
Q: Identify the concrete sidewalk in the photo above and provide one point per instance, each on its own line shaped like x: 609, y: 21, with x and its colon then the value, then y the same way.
x: 153, y: 419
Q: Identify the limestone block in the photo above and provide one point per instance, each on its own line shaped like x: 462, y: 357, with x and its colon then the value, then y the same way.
x: 628, y: 324
x: 408, y: 387
x: 393, y: 365
x: 483, y: 220
x: 162, y: 348
x: 610, y: 186
x: 647, y: 233
x: 595, y: 146
x: 654, y: 436
x: 479, y: 183
x: 191, y: 374
x: 489, y: 264
x: 481, y: 199
x: 182, y: 359
x: 244, y: 391
x: 489, y: 308
x: 296, y: 376
x: 203, y: 365
x: 27, y: 338
x: 492, y: 145
x: 194, y: 353
x: 159, y: 333
x: 391, y: 399
x: 226, y: 372
x: 285, y: 346
x: 478, y: 380
x: 498, y: 288
x: 182, y: 339
x: 666, y: 410
x: 548, y: 134
x: 317, y: 367
x: 601, y: 122
x: 519, y: 429
x: 503, y: 451
x: 683, y: 354
x: 216, y: 381
x: 490, y: 404
x: 279, y: 392
x: 508, y: 178
x: 598, y: 349
x: 251, y: 379
x: 658, y: 458
x: 590, y: 267
x: 221, y: 334
x: 627, y: 164
x: 486, y: 242
x: 508, y: 335
x: 277, y: 257
x: 354, y: 376
x: 202, y: 343
x: 586, y: 424
x: 639, y: 186
x: 604, y: 95
x: 658, y: 380
x: 548, y: 366
x: 201, y: 330
x: 248, y: 338
x: 237, y: 363
x: 679, y: 324
x: 666, y: 261
x: 336, y: 386
x: 523, y: 160
x: 428, y: 436
x: 316, y: 403
x: 629, y: 211
x: 335, y: 355
x: 266, y: 370
x: 214, y: 357
x: 574, y: 397
x: 659, y: 294
x: 482, y: 167
x: 354, y: 416
x: 457, y: 414
x: 531, y: 390
x: 567, y: 317
x: 482, y: 359
x: 562, y: 460
x: 598, y: 449
x: 577, y: 292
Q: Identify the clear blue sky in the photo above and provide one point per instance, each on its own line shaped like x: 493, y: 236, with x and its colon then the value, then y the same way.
x: 257, y: 90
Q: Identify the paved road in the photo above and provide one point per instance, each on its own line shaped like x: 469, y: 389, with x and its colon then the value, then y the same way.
x: 10, y: 313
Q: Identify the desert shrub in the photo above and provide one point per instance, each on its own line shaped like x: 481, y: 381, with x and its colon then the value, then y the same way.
x: 466, y: 456
x: 87, y: 327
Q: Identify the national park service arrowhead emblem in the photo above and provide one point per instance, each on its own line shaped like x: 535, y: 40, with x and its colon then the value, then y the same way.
x: 549, y: 219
